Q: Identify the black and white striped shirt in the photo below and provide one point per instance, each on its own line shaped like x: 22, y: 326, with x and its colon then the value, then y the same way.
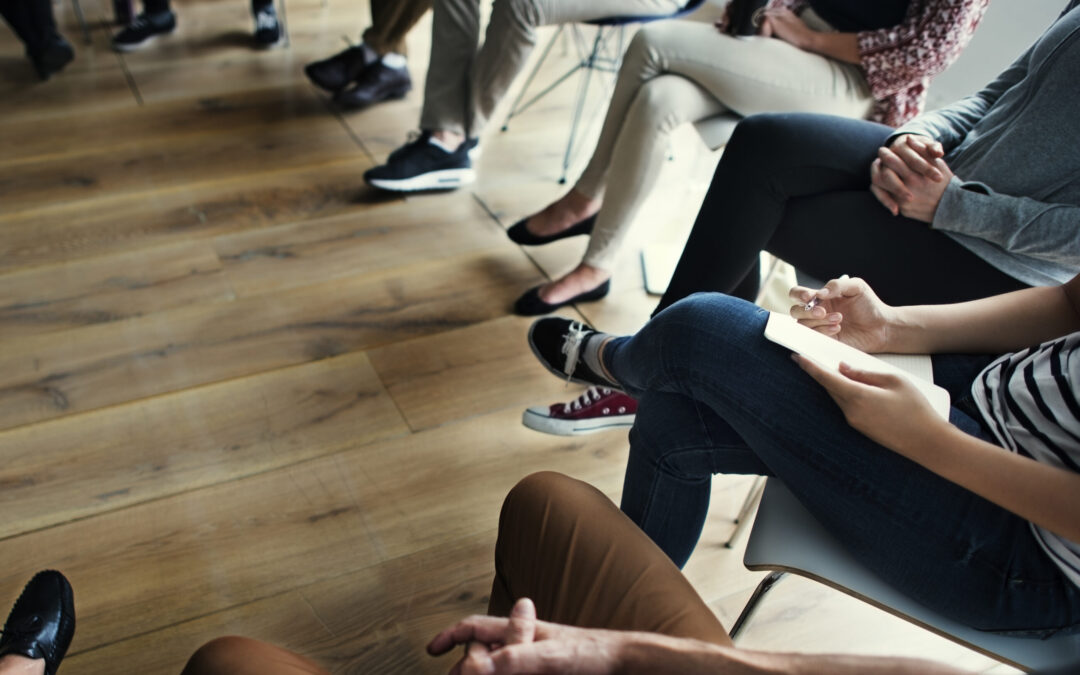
x: 1028, y: 401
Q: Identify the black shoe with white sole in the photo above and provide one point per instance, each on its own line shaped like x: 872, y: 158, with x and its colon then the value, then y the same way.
x: 143, y: 29
x: 423, y: 165
x: 560, y: 344
x: 267, y: 28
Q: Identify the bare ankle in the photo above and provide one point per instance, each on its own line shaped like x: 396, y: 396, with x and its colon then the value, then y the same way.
x: 451, y: 139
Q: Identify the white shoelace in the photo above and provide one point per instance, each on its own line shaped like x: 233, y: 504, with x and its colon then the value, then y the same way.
x: 591, y: 395
x: 265, y: 20
x: 571, y: 346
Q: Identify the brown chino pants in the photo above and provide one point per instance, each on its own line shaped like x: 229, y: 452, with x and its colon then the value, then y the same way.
x: 391, y: 21
x: 566, y: 546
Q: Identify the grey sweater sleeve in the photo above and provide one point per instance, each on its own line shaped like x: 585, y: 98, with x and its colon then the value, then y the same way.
x: 949, y: 125
x: 1040, y: 230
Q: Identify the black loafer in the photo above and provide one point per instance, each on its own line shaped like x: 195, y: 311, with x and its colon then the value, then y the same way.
x: 530, y: 304
x: 521, y: 235
x: 42, y: 622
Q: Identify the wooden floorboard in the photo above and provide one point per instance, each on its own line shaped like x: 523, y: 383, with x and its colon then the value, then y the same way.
x: 243, y: 393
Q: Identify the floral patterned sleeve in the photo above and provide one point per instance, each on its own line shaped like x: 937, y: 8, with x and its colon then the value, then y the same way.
x: 931, y: 36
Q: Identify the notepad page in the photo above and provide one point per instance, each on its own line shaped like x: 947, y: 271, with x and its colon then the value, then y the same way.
x: 829, y: 352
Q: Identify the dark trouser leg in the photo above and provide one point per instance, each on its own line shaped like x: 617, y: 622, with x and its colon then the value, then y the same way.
x: 797, y: 186
x: 584, y: 563
x: 937, y: 542
x: 155, y: 6
x: 32, y: 21
x: 391, y: 21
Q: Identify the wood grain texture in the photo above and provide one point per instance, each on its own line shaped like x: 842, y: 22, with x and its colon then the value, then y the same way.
x: 88, y: 464
x: 110, y: 288
x: 427, y: 377
x: 48, y: 376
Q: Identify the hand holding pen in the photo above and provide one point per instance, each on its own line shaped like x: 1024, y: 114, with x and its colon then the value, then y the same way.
x: 847, y: 309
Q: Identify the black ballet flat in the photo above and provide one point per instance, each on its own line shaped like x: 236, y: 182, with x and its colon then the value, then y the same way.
x: 530, y: 304
x: 521, y: 235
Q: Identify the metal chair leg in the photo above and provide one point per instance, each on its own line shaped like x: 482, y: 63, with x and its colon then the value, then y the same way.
x: 284, y: 23
x: 82, y: 22
x: 751, y: 605
x: 516, y: 109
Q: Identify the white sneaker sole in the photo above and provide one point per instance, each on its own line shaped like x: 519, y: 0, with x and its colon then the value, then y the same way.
x: 538, y: 419
x: 447, y: 179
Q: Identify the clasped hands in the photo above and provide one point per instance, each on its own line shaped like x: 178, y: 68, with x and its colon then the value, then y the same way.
x: 523, y: 644
x: 910, y: 176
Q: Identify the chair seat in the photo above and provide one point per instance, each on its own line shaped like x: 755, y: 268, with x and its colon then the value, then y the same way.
x: 787, y: 538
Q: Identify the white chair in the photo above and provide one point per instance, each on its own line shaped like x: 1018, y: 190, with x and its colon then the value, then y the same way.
x: 786, y: 538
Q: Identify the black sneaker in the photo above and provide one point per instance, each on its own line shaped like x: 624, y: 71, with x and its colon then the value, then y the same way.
x: 376, y: 83
x: 335, y: 73
x: 422, y: 165
x: 143, y: 30
x: 558, y: 344
x: 52, y: 59
x: 267, y: 28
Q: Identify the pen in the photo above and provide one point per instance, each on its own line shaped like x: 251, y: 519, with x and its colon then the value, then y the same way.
x: 814, y: 302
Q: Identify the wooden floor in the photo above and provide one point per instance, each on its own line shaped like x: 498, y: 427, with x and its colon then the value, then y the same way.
x: 242, y: 393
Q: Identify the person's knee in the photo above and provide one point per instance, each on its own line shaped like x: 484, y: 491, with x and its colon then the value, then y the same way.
x: 532, y: 494
x: 656, y: 107
x: 218, y: 655
x: 522, y: 13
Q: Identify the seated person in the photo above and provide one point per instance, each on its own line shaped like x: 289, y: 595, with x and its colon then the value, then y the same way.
x: 971, y: 200
x: 157, y: 18
x: 375, y: 70
x: 464, y: 85
x: 877, y: 67
x: 976, y: 517
x: 33, y: 23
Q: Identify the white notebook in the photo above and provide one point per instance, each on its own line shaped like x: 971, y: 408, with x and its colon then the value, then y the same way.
x: 829, y: 352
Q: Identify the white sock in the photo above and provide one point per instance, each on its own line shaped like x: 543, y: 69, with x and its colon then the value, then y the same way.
x: 590, y: 354
x: 442, y: 146
x: 394, y: 60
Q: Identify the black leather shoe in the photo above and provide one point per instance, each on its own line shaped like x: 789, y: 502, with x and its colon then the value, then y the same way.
x: 52, y: 59
x: 530, y: 304
x: 377, y: 83
x: 42, y: 622
x: 335, y: 73
x: 521, y: 235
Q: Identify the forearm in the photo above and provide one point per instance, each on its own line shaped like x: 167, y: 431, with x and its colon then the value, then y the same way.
x: 648, y: 653
x: 993, y: 325
x: 1043, y: 494
x: 840, y: 46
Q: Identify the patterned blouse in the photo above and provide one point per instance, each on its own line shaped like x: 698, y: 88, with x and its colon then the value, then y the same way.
x: 899, y: 61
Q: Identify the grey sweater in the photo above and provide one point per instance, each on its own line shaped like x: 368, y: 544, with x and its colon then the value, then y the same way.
x: 1015, y: 150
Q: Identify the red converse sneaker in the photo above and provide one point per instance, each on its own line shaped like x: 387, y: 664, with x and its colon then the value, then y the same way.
x: 598, y: 409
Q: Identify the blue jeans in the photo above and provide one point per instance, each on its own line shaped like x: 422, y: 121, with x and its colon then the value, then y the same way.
x: 715, y: 396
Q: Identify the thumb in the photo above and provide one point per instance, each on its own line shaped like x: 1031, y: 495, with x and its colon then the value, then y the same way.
x: 522, y: 622
x: 869, y: 377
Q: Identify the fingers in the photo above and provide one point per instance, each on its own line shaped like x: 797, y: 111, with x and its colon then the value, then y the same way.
x: 893, y: 174
x: 869, y: 377
x: 886, y: 179
x: 486, y: 629
x: 927, y: 147
x: 914, y: 157
x: 886, y: 200
x: 522, y: 622
x: 477, y: 661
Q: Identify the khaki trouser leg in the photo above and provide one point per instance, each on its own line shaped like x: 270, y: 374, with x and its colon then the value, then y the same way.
x: 584, y: 563
x: 391, y: 21
x: 462, y: 99
x: 721, y: 73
